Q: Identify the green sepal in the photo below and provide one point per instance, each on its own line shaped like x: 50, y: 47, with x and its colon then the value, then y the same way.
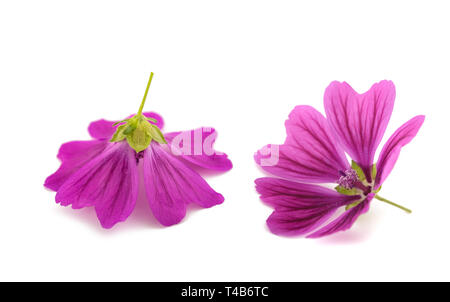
x: 377, y: 190
x: 374, y: 171
x: 152, y: 119
x: 156, y: 134
x: 117, y: 123
x: 140, y: 137
x: 118, y: 135
x: 130, y: 128
x: 358, y: 171
x: 342, y: 190
x: 354, y: 204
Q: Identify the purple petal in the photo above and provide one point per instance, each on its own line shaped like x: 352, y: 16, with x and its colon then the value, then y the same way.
x: 109, y: 182
x: 360, y: 120
x: 104, y: 129
x: 391, y: 150
x: 345, y: 221
x: 170, y: 185
x: 299, y: 208
x: 73, y: 156
x: 196, y: 147
x: 310, y: 152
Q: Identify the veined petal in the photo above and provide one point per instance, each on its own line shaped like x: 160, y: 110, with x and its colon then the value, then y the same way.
x: 309, y: 154
x: 345, y: 221
x: 196, y: 147
x: 170, y: 185
x: 104, y: 129
x: 109, y: 182
x: 360, y: 120
x: 391, y: 150
x: 73, y: 156
x: 299, y: 208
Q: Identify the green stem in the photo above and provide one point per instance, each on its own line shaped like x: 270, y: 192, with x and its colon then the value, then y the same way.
x: 393, y: 203
x: 145, y: 95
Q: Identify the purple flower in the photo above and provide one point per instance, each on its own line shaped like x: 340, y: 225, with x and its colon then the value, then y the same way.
x: 104, y: 172
x: 314, y: 152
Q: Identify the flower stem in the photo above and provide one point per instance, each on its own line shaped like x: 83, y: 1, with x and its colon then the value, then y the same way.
x: 145, y: 95
x: 393, y: 203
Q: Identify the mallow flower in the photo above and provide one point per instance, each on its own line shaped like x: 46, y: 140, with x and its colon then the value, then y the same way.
x: 104, y: 173
x: 314, y: 156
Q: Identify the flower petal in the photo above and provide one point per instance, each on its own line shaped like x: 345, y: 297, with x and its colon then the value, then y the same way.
x: 309, y: 154
x: 360, y: 120
x: 109, y: 181
x: 73, y: 156
x: 299, y: 208
x: 391, y: 150
x: 196, y: 147
x: 345, y: 221
x: 170, y: 185
x: 104, y: 129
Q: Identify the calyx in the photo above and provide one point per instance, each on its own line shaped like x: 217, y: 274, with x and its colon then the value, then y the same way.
x: 137, y: 130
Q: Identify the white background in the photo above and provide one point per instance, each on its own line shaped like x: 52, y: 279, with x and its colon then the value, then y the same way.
x: 239, y: 66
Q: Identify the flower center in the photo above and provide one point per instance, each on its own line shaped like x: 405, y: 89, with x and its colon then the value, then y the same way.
x: 353, y: 182
x: 349, y: 179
